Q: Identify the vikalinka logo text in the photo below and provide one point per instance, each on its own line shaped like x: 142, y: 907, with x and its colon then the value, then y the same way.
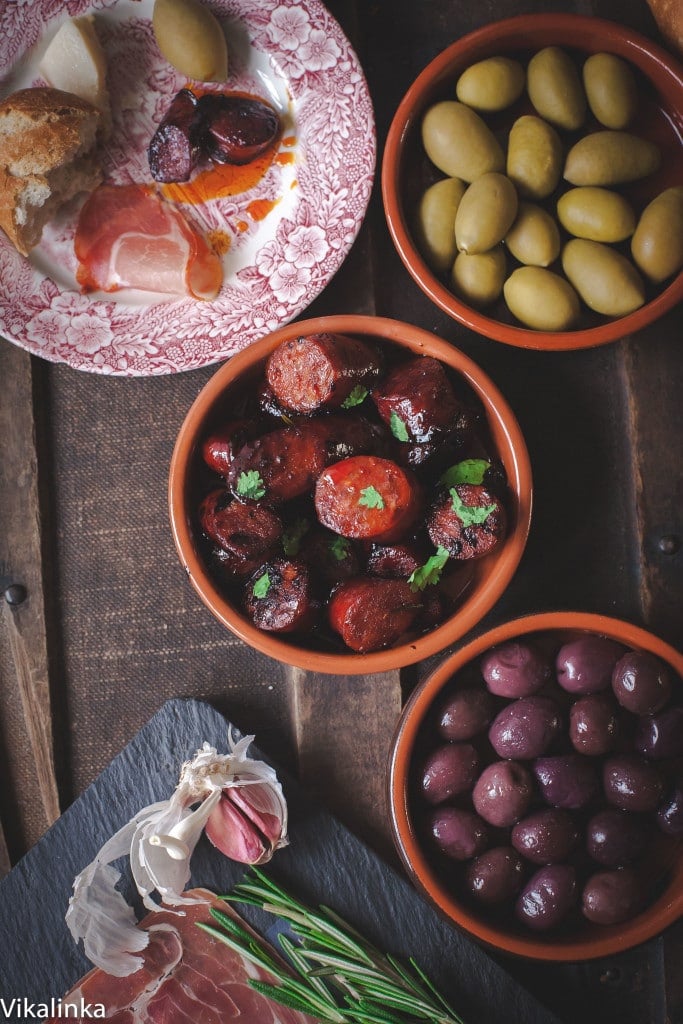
x: 19, y: 1009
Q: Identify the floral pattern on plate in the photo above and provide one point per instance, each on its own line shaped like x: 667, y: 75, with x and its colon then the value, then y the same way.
x: 291, y: 52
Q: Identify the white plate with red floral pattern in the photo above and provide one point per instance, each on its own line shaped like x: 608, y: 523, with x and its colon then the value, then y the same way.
x: 286, y: 235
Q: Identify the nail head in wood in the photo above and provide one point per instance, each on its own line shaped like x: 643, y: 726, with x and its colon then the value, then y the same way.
x: 15, y: 594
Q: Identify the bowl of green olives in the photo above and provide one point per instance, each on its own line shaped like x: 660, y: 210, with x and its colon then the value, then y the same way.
x: 536, y: 786
x: 532, y: 181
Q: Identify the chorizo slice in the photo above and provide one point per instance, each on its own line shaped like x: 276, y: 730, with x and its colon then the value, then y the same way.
x: 321, y: 371
x: 331, y: 558
x: 246, y: 535
x: 370, y: 613
x: 469, y: 521
x: 219, y: 447
x: 285, y: 463
x: 417, y: 402
x: 278, y: 597
x: 174, y: 150
x: 396, y: 561
x: 367, y: 498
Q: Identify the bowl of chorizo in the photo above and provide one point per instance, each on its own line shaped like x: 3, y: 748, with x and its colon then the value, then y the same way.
x: 350, y: 494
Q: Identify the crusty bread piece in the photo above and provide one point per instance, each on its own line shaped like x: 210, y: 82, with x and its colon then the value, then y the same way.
x: 47, y: 156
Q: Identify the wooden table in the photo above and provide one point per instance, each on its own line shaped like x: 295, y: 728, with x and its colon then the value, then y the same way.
x: 99, y: 625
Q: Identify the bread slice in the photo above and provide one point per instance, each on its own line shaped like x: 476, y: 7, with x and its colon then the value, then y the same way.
x: 47, y: 156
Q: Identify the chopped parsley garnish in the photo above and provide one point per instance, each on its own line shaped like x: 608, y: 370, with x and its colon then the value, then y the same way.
x: 358, y: 395
x: 470, y: 515
x: 339, y: 548
x: 430, y: 572
x: 469, y: 471
x: 261, y: 586
x: 371, y: 498
x: 291, y: 538
x: 398, y: 427
x: 250, y: 485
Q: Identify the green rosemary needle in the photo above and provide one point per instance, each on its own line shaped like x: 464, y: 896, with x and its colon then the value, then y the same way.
x: 336, y: 975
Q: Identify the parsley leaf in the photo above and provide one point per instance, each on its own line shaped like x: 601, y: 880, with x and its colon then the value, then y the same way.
x: 470, y: 515
x: 355, y: 397
x: 430, y: 572
x: 291, y: 538
x: 371, y: 498
x: 470, y: 471
x: 261, y: 586
x: 339, y: 548
x: 398, y: 427
x: 250, y: 485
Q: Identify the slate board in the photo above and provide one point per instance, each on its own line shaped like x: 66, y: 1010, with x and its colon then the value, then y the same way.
x: 324, y: 863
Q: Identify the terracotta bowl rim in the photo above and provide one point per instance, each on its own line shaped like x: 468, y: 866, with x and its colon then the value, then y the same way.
x: 624, y: 41
x: 667, y: 909
x: 474, y: 606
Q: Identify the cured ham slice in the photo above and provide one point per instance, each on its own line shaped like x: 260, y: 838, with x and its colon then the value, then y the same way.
x: 128, y: 237
x: 188, y: 977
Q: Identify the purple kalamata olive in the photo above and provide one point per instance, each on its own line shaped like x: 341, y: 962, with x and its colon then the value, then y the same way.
x: 615, y: 837
x: 547, y: 836
x: 502, y: 793
x: 459, y: 834
x: 661, y: 735
x: 525, y: 728
x: 594, y: 724
x: 466, y: 713
x: 495, y: 875
x: 450, y: 770
x: 631, y: 782
x: 610, y: 897
x: 641, y: 683
x: 567, y: 780
x: 585, y: 665
x: 547, y: 898
x: 670, y: 812
x: 515, y: 669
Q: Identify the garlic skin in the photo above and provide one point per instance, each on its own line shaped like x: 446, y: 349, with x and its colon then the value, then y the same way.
x: 244, y: 801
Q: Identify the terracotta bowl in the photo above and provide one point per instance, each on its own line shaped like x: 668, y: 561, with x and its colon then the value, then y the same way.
x: 580, y: 940
x: 490, y: 575
x: 406, y: 171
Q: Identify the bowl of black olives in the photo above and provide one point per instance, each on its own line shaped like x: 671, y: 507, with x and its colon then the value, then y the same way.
x: 536, y: 786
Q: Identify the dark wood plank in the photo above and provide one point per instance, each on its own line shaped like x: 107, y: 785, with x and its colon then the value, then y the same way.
x: 653, y: 368
x: 25, y: 708
x: 343, y: 729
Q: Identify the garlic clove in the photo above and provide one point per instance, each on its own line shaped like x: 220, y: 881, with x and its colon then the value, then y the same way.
x: 250, y: 822
x: 231, y: 832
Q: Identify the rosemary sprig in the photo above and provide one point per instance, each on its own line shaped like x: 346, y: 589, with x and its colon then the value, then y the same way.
x: 336, y: 975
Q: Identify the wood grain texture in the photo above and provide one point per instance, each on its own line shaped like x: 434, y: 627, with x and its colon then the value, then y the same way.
x: 343, y: 729
x: 25, y: 697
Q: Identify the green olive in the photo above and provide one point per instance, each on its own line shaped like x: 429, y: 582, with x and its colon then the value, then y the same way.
x: 534, y: 238
x: 478, y: 277
x: 191, y: 39
x: 610, y: 158
x: 485, y: 214
x: 555, y: 88
x: 541, y: 299
x: 534, y: 159
x: 459, y: 143
x: 611, y: 89
x: 597, y: 214
x: 606, y: 281
x: 657, y: 245
x: 491, y: 84
x: 435, y: 225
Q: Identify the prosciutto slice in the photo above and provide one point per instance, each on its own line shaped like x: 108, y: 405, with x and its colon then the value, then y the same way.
x: 128, y: 237
x: 188, y: 977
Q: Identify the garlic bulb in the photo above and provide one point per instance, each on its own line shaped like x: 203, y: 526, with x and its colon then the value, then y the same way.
x: 240, y: 803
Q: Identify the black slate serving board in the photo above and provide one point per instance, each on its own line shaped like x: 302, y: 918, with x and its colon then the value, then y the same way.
x: 324, y: 863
